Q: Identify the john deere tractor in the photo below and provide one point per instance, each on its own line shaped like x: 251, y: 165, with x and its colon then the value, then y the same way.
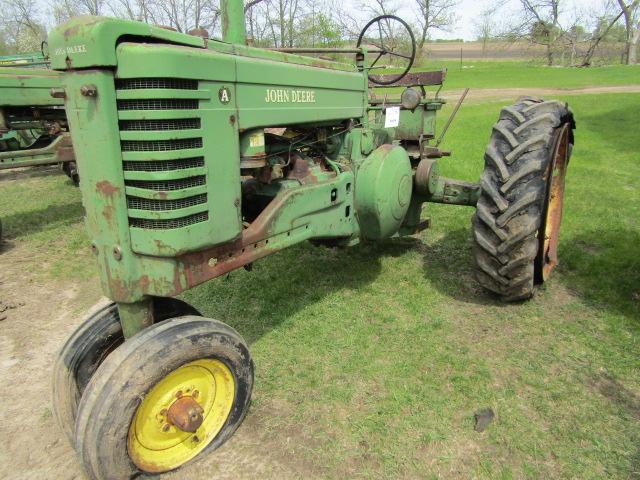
x: 201, y: 156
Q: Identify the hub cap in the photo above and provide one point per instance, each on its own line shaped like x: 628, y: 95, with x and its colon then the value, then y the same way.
x: 181, y: 415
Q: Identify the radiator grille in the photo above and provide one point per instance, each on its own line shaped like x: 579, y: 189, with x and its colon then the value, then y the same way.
x: 158, y: 166
x: 170, y: 212
x: 165, y: 205
x: 169, y: 223
x: 168, y: 185
x: 160, y: 145
x: 159, y: 125
x: 158, y: 104
x: 144, y: 83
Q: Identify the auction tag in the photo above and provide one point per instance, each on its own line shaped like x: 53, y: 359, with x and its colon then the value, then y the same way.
x: 392, y: 117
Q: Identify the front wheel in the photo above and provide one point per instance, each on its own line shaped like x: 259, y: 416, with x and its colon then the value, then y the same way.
x: 169, y: 393
x: 517, y: 220
x: 95, y: 338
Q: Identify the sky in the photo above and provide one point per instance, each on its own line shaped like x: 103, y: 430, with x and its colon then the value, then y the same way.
x: 468, y: 10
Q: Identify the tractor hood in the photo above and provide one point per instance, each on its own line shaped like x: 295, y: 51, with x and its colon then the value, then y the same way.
x: 86, y: 42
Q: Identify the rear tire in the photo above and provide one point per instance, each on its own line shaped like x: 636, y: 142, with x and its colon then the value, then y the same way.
x: 127, y: 380
x: 512, y: 208
x: 96, y: 337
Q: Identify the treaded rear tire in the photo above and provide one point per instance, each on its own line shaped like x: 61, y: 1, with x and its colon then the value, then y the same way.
x: 512, y: 202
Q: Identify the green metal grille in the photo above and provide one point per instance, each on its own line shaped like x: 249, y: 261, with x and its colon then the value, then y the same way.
x: 160, y: 224
x: 160, y: 145
x: 159, y: 196
x: 144, y: 83
x: 163, y: 166
x: 158, y: 104
x: 165, y: 205
x: 155, y: 125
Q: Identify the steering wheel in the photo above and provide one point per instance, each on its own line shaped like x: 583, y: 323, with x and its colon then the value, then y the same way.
x: 44, y: 46
x: 388, y: 39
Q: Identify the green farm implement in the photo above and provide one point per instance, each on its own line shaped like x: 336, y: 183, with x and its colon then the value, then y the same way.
x: 33, y: 124
x: 201, y: 156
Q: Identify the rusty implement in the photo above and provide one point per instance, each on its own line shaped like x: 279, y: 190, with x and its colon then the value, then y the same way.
x: 59, y: 150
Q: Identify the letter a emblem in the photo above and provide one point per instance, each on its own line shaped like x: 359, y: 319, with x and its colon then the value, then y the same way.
x: 223, y: 95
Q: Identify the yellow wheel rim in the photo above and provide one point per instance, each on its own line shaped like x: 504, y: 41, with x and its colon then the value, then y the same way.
x: 156, y: 444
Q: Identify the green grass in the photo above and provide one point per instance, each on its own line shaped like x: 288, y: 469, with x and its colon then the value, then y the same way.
x: 379, y: 355
x: 493, y: 74
x: 42, y: 208
x: 372, y: 360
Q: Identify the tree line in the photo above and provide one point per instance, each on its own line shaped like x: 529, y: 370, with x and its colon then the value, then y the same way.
x: 555, y: 25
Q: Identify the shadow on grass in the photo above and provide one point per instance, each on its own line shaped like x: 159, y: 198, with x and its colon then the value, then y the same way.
x: 623, y: 399
x: 24, y: 223
x: 282, y: 284
x: 449, y: 267
x: 603, y: 268
x: 611, y: 126
x: 22, y: 173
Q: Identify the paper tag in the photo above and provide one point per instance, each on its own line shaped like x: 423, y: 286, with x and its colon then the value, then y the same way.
x: 256, y: 140
x: 392, y: 117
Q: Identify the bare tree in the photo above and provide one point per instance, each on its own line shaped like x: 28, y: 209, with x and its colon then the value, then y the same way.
x: 21, y: 25
x: 543, y: 20
x: 606, y: 20
x: 632, y: 25
x: 185, y: 15
x: 484, y: 27
x: 434, y: 15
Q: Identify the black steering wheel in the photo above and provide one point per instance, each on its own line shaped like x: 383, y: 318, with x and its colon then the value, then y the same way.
x: 44, y: 47
x: 388, y: 39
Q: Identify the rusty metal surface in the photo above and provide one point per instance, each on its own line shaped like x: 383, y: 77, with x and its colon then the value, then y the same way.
x: 452, y: 116
x: 550, y: 230
x: 186, y: 414
x: 411, y: 79
x: 423, y: 175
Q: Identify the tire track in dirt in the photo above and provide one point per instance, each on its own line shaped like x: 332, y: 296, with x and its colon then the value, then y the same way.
x: 481, y: 95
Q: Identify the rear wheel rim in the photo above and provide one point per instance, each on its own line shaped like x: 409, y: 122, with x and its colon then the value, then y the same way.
x: 549, y: 232
x: 155, y: 442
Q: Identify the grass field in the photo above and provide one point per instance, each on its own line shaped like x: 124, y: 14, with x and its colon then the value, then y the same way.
x: 372, y: 360
x: 505, y: 74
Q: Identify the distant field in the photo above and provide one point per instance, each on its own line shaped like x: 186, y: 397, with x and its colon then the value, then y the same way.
x: 497, y: 74
x: 509, y: 51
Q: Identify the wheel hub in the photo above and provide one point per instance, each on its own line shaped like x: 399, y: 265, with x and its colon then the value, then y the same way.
x: 186, y: 414
x: 181, y: 415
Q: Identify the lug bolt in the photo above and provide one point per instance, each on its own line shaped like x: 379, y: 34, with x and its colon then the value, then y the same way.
x: 195, y: 394
x: 163, y: 412
x: 178, y: 393
x: 165, y: 428
x: 88, y: 90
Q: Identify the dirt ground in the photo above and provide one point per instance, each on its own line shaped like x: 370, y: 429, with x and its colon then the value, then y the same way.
x: 508, y: 94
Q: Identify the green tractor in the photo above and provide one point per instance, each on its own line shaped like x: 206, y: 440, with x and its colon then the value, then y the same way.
x: 33, y: 123
x: 201, y: 156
